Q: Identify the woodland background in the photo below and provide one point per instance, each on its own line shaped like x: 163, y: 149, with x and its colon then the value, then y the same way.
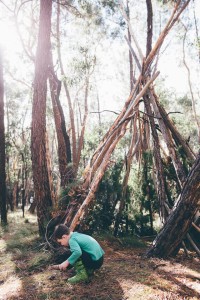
x: 67, y: 70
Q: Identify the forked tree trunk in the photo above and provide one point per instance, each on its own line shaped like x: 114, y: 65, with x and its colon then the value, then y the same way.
x: 38, y: 135
x: 181, y: 218
x: 130, y: 55
x: 2, y: 151
x: 64, y: 148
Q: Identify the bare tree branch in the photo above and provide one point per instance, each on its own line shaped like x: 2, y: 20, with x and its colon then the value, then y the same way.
x: 105, y: 110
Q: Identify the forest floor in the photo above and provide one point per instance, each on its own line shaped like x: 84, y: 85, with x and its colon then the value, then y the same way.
x: 25, y: 272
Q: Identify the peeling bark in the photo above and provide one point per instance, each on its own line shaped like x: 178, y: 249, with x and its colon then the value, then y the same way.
x: 38, y: 131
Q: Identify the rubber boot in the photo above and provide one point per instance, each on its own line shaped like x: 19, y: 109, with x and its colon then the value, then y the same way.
x: 81, y: 274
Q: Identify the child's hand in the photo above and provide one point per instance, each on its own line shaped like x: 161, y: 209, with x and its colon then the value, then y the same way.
x: 63, y: 266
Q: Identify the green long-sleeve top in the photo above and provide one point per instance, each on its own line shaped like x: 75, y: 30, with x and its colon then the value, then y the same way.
x: 79, y: 242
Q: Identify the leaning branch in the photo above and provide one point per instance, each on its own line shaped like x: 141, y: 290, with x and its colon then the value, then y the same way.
x: 173, y: 19
x: 131, y: 30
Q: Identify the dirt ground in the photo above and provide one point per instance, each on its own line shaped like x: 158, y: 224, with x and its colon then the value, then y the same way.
x: 124, y: 275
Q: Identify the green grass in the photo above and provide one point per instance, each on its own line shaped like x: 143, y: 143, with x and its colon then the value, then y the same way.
x: 24, y: 271
x: 21, y: 238
x: 20, y: 234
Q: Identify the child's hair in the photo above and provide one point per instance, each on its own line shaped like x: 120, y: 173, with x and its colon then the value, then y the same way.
x: 60, y: 230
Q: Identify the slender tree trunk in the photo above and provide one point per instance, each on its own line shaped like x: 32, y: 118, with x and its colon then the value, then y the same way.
x: 150, y: 208
x: 99, y: 114
x: 149, y: 27
x: 71, y: 111
x: 197, y: 32
x: 196, y: 118
x: 83, y: 124
x: 49, y: 170
x: 2, y: 151
x: 15, y: 193
x: 181, y: 218
x: 130, y: 55
x: 64, y: 148
x: 38, y: 135
x: 158, y: 162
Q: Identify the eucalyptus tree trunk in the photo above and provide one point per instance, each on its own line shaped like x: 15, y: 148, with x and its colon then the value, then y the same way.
x: 83, y: 124
x: 69, y: 100
x: 2, y: 151
x: 130, y: 55
x: 15, y: 192
x: 181, y: 218
x: 64, y: 148
x: 38, y: 135
x: 49, y: 170
x: 194, y: 109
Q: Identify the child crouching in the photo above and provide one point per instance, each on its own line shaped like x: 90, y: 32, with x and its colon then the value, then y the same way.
x: 86, y: 253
